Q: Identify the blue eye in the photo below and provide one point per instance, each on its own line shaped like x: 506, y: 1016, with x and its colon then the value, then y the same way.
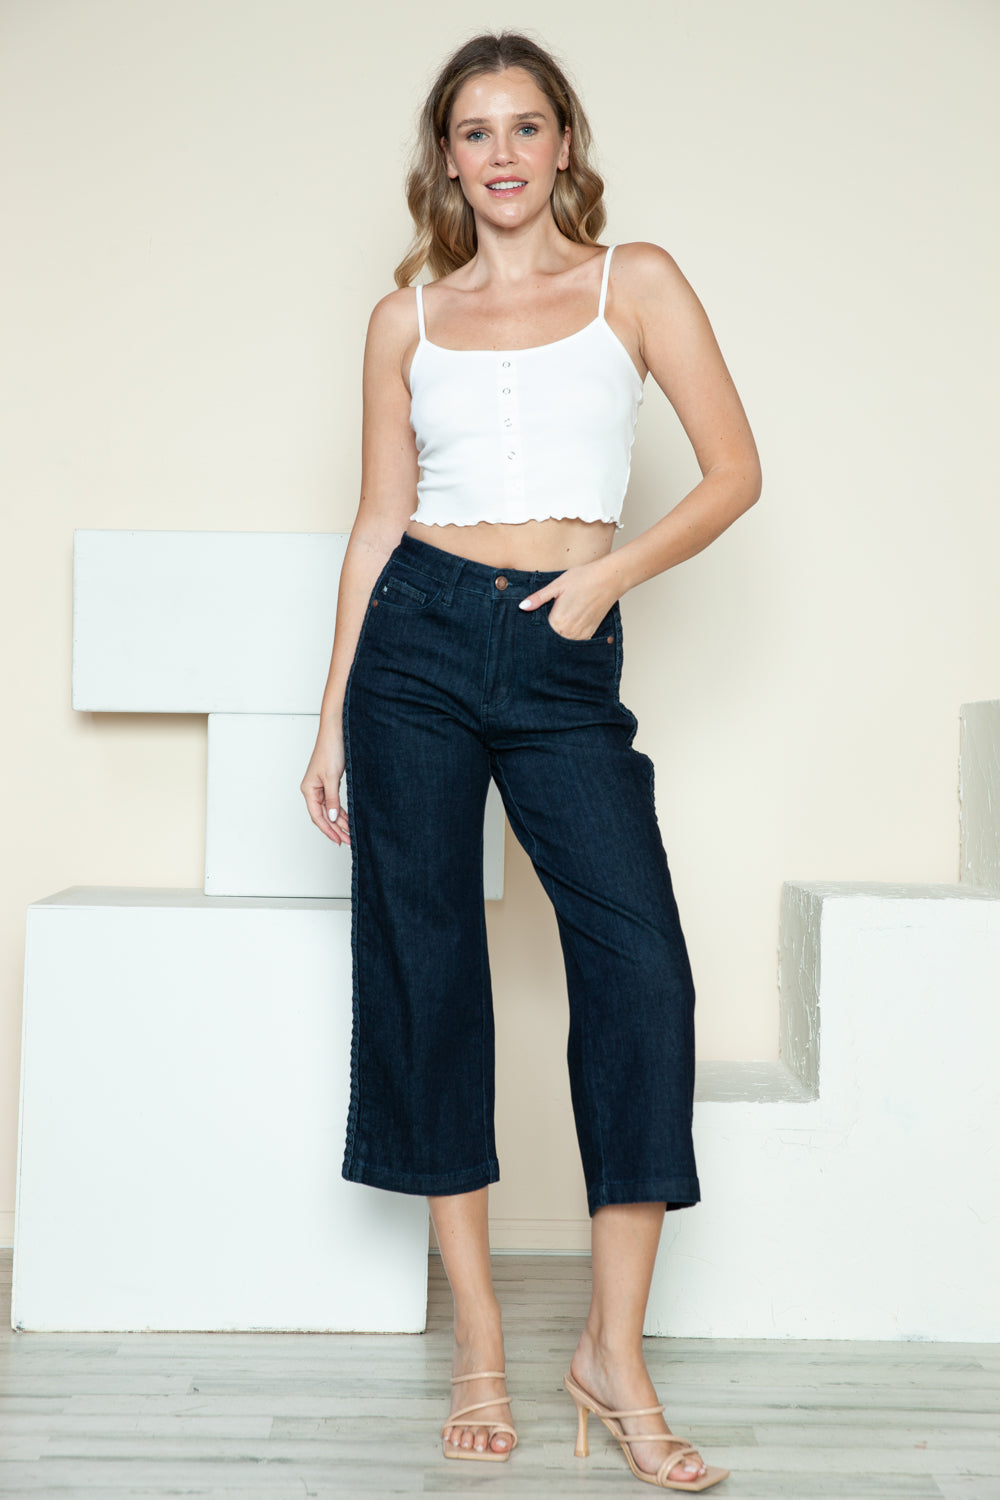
x: 471, y: 135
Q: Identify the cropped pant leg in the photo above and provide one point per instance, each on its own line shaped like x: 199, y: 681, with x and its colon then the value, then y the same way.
x: 421, y: 1116
x: 582, y: 806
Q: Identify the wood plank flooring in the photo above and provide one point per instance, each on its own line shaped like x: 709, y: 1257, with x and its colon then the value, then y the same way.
x: 287, y: 1416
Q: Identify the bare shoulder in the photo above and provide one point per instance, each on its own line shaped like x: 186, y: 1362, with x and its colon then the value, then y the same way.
x: 647, y: 273
x: 393, y: 321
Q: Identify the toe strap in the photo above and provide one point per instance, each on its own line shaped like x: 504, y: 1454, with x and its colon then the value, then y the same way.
x: 493, y: 1427
x: 672, y: 1460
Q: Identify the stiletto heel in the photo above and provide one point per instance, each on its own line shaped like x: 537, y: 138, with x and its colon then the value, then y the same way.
x: 586, y: 1403
x: 582, y: 1413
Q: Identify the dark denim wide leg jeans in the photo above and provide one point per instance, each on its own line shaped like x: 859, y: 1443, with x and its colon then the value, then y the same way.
x: 452, y: 685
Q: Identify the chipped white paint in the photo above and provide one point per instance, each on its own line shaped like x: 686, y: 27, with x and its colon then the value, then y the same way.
x: 184, y: 1088
x: 259, y: 839
x: 979, y: 793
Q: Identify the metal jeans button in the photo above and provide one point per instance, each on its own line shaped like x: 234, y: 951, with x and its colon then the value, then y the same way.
x: 501, y: 582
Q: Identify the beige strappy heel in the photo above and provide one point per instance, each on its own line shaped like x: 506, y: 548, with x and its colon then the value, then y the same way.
x: 451, y: 1450
x: 585, y: 1404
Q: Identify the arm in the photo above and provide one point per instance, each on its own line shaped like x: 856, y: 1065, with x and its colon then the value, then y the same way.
x: 674, y: 338
x: 388, y: 497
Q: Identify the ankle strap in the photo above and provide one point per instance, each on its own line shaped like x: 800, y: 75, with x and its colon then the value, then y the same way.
x: 481, y: 1375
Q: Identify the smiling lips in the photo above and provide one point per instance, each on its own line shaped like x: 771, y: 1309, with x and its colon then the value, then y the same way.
x: 507, y: 185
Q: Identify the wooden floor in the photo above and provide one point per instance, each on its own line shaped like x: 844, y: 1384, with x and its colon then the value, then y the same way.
x: 287, y: 1416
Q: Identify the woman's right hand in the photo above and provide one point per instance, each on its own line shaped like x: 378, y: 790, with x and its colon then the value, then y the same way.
x: 321, y: 786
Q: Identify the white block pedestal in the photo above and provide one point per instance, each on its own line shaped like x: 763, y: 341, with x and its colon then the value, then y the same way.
x: 184, y: 1088
x: 872, y: 1210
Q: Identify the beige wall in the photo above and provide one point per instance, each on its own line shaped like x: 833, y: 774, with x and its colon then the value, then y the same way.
x: 203, y: 201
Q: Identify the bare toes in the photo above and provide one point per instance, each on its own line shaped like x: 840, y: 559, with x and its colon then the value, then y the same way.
x: 687, y: 1468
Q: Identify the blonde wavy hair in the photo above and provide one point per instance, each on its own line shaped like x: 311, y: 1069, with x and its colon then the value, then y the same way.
x: 445, y: 233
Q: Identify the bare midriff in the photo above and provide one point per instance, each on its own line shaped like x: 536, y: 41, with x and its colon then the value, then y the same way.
x: 529, y: 546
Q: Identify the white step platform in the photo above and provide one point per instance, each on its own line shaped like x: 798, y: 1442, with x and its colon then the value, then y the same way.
x: 870, y: 1208
x: 184, y: 1088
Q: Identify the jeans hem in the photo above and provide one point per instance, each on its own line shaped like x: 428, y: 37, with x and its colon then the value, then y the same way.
x: 434, y: 1183
x: 675, y: 1192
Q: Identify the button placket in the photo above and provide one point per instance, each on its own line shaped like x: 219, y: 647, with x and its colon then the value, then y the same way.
x: 509, y: 427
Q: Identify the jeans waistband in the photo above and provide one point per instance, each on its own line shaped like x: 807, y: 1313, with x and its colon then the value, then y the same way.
x: 463, y: 573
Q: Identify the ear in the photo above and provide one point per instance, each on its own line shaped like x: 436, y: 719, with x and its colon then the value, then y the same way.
x: 563, y: 161
x: 450, y: 166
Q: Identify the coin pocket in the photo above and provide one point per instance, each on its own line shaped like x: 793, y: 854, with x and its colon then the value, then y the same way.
x: 398, y: 591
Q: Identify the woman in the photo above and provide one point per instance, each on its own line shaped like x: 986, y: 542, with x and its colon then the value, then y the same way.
x: 479, y: 636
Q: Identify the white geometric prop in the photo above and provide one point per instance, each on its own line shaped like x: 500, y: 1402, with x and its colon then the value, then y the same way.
x: 259, y: 840
x: 203, y: 621
x: 184, y: 1090
x: 873, y: 1211
x: 979, y: 790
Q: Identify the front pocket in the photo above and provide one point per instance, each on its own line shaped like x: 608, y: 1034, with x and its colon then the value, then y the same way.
x: 604, y: 635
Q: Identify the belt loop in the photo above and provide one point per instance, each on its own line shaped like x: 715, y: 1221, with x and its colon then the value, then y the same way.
x: 455, y: 571
x: 535, y: 614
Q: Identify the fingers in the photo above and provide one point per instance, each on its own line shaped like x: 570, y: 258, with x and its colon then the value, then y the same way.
x: 338, y: 825
x: 323, y: 804
x: 534, y: 600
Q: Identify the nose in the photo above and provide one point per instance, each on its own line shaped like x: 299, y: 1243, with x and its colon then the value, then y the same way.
x: 503, y: 153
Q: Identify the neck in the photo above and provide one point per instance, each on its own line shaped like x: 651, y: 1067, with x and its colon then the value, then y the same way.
x: 512, y: 257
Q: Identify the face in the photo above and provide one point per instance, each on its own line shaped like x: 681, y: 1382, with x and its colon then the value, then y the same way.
x: 503, y: 131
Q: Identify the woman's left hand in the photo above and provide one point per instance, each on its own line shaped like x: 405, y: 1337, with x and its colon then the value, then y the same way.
x: 583, y: 597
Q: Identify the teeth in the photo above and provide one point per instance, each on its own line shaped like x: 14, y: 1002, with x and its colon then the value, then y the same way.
x: 497, y: 187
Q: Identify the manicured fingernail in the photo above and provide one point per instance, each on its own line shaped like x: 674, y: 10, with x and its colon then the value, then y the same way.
x: 524, y: 604
x: 331, y: 813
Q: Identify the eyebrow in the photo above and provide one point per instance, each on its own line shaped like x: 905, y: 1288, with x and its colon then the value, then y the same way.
x: 528, y: 114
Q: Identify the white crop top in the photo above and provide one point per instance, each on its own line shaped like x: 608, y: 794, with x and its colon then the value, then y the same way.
x: 524, y: 434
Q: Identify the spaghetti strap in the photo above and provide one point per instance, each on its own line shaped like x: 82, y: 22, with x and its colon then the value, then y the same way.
x: 420, y: 311
x: 604, y: 281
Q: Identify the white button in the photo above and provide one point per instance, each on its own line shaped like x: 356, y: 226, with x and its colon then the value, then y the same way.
x: 505, y: 391
x: 508, y: 421
x: 511, y: 455
x: 506, y: 364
